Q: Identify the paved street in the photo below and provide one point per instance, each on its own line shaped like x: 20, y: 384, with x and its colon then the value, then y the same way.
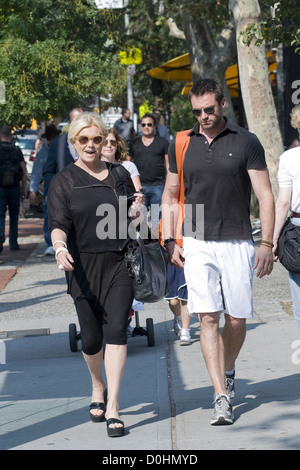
x: 166, y: 398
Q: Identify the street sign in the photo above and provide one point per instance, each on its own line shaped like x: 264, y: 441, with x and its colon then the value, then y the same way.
x: 131, y: 56
x: 102, y: 4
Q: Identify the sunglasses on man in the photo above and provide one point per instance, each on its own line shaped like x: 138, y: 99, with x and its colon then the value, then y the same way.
x: 208, y: 110
x: 149, y: 124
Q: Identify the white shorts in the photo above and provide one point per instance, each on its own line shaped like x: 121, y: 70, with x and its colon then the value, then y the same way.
x: 219, y: 276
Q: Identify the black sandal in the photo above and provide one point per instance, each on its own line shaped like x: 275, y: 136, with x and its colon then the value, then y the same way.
x: 96, y: 405
x: 115, y: 432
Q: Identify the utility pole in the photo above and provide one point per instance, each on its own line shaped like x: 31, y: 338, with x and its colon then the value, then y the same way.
x: 130, y: 104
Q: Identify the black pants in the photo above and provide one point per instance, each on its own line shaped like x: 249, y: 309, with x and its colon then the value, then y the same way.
x: 106, y: 320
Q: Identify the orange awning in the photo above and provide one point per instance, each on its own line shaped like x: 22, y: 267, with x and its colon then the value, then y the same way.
x: 179, y: 69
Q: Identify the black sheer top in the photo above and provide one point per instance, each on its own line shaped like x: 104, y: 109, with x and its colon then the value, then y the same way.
x: 93, y: 213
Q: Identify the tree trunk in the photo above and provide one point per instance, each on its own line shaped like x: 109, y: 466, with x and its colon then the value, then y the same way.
x: 209, y: 57
x: 256, y: 89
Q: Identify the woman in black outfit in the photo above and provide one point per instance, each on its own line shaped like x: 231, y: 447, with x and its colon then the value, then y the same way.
x: 90, y: 242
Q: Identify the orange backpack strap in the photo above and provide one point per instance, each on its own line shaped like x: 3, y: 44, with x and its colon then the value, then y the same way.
x: 181, y: 145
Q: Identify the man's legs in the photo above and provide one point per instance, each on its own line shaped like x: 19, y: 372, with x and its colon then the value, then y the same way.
x: 153, y: 195
x: 3, y: 205
x: 213, y: 350
x: 212, y: 347
x: 220, y: 351
x: 234, y: 333
x: 14, y: 208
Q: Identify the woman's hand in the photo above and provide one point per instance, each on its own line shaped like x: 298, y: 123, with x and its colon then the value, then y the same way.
x: 64, y: 260
x: 136, y: 206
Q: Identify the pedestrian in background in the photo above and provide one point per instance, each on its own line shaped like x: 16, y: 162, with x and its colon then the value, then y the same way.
x: 124, y: 126
x: 114, y: 150
x: 12, y: 172
x: 221, y: 162
x: 36, y: 178
x: 160, y: 129
x: 97, y: 277
x: 289, y: 200
x: 150, y: 154
x: 177, y: 299
x: 60, y: 154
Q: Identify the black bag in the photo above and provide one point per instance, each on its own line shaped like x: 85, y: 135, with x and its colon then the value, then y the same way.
x: 147, y: 263
x: 10, y: 168
x: 289, y: 246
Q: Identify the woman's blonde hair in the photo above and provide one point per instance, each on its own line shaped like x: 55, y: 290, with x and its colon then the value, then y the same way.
x: 86, y: 119
x: 295, y: 117
x: 121, y: 152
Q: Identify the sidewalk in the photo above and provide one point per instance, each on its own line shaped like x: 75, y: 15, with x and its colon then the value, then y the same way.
x: 166, y: 397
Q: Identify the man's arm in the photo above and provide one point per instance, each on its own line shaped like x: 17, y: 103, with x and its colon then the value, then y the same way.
x: 281, y: 211
x: 167, y: 162
x: 170, y: 210
x: 262, y: 188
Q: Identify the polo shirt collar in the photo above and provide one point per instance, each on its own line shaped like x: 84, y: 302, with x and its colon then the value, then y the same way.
x: 228, y: 126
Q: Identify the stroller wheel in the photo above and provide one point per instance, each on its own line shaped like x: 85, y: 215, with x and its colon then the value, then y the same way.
x: 73, y: 337
x: 150, y: 332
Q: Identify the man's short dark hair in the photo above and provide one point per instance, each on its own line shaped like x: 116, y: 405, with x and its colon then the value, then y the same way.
x: 149, y: 115
x: 5, y: 131
x: 207, y: 85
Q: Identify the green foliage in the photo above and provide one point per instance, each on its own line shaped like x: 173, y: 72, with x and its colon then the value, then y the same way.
x: 149, y: 31
x: 55, y: 54
x: 281, y: 27
x: 181, y: 116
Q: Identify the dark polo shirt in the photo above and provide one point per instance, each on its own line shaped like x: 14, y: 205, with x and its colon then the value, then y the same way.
x: 217, y: 184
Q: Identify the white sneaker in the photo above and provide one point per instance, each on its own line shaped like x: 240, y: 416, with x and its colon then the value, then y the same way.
x: 50, y: 251
x: 223, y: 411
x: 185, y: 337
x: 177, y: 327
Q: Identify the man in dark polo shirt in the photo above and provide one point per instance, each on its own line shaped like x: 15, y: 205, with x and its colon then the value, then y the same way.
x: 150, y: 154
x: 221, y: 163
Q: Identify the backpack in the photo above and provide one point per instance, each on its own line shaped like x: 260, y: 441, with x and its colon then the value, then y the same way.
x: 181, y: 144
x: 10, y: 168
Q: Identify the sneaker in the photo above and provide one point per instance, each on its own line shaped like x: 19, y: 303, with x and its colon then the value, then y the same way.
x: 223, y: 411
x: 185, y: 337
x: 50, y: 251
x: 177, y: 327
x: 230, y: 388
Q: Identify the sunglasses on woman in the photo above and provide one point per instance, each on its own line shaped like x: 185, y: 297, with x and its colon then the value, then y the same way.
x: 83, y: 139
x: 113, y: 143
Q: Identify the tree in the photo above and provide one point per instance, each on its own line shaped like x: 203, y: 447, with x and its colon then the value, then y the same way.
x: 150, y: 32
x: 280, y: 27
x: 255, y: 86
x: 56, y: 54
x: 211, y: 47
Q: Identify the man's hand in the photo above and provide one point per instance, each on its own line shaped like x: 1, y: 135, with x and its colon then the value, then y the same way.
x: 175, y: 254
x: 264, y: 260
